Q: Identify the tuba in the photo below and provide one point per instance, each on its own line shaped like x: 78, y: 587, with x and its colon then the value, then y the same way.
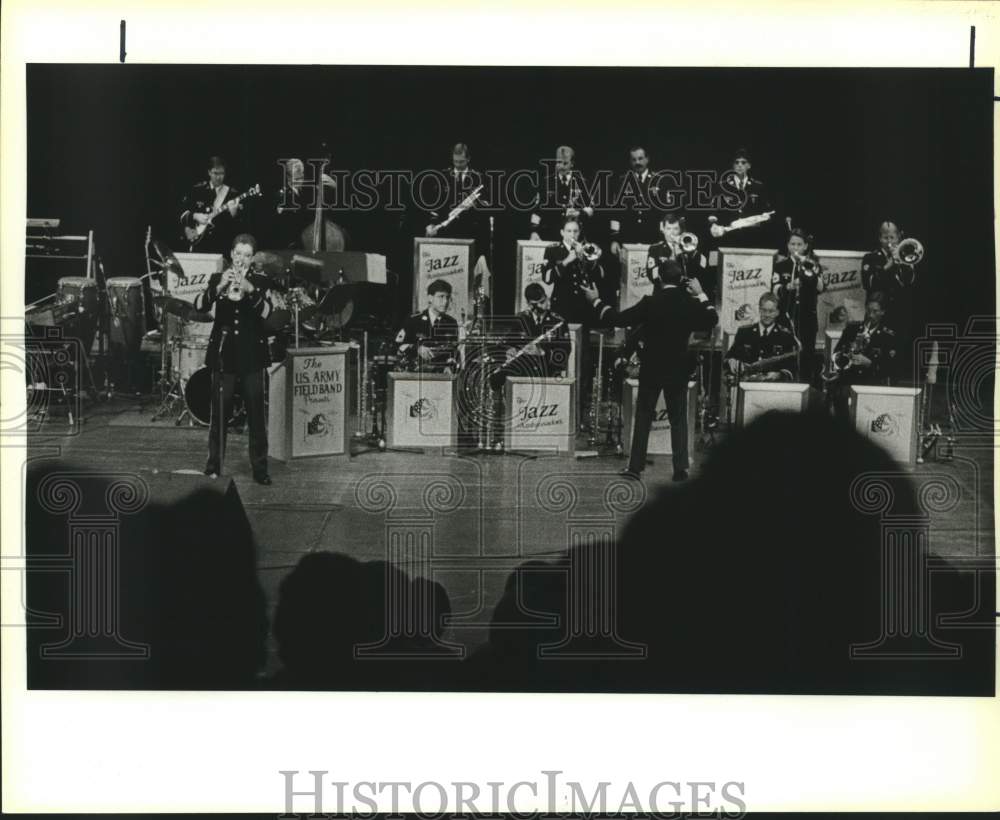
x: 908, y: 252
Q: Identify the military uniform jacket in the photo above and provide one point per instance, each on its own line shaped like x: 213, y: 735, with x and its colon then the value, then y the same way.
x: 567, y: 300
x: 417, y: 330
x: 752, y: 344
x: 471, y: 223
x: 875, y: 276
x: 692, y: 264
x: 637, y: 215
x: 551, y: 203
x: 555, y: 351
x: 801, y: 304
x: 669, y: 315
x: 882, y: 348
x: 245, y: 346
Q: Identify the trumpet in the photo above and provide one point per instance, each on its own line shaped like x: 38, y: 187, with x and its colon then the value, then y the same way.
x: 588, y: 251
x: 908, y: 252
x: 233, y: 290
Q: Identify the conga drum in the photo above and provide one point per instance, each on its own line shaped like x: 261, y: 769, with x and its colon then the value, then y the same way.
x: 128, y: 312
x: 78, y: 296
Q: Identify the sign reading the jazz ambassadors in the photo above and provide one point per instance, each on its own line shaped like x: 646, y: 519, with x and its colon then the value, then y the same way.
x: 634, y: 282
x: 318, y: 402
x: 530, y: 264
x: 449, y: 260
x: 540, y: 414
x: 744, y: 274
x: 843, y: 297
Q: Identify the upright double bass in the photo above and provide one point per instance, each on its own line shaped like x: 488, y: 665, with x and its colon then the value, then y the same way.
x: 323, y: 234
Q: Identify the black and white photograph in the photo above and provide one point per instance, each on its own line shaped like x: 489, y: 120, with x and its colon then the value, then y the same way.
x: 515, y: 379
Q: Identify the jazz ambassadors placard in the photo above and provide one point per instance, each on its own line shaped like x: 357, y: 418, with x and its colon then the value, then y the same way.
x: 744, y: 274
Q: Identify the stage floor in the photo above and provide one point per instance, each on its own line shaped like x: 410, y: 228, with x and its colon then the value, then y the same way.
x: 482, y: 515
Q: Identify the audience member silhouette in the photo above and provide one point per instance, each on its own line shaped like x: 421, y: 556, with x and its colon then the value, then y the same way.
x: 758, y: 576
x: 185, y: 589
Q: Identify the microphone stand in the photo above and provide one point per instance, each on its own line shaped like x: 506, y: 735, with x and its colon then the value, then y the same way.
x: 222, y: 405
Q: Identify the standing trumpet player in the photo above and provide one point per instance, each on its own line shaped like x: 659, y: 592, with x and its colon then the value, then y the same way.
x: 797, y: 281
x: 237, y: 355
x: 679, y: 245
x: 891, y: 271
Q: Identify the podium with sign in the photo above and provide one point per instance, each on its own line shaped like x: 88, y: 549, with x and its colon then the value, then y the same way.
x: 756, y: 398
x: 843, y: 297
x: 539, y: 414
x: 530, y: 264
x: 634, y: 282
x: 307, y: 411
x: 450, y: 260
x: 659, y: 433
x: 887, y: 416
x: 421, y: 410
x: 744, y: 276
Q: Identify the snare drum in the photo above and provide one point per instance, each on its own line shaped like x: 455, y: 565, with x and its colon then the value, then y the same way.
x: 186, y: 357
x: 128, y: 312
x: 78, y: 296
x: 198, y: 399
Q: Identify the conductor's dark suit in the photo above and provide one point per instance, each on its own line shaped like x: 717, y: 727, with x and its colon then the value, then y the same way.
x: 670, y: 315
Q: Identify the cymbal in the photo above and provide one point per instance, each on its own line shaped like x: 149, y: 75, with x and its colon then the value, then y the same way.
x: 269, y: 264
x: 167, y: 260
x: 181, y: 309
x: 357, y: 305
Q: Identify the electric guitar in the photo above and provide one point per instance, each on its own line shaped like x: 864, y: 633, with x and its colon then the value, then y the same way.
x: 195, y: 234
x: 752, y: 372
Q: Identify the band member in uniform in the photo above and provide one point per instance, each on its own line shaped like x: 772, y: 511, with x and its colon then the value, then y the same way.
x: 742, y: 195
x: 550, y: 356
x: 881, y: 272
x: 677, y: 245
x: 670, y: 315
x: 211, y: 204
x: 462, y: 180
x: 569, y: 266
x: 766, y: 339
x: 428, y: 339
x: 237, y: 353
x: 564, y: 196
x: 797, y: 281
x: 867, y: 353
x: 636, y: 217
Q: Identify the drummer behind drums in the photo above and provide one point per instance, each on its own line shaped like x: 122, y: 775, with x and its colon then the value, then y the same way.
x: 428, y: 340
x: 237, y: 355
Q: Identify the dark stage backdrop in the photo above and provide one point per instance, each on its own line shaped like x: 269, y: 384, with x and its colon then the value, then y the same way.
x: 114, y: 147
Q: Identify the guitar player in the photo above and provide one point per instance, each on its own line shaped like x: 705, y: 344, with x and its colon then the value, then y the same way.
x: 763, y: 340
x: 211, y: 216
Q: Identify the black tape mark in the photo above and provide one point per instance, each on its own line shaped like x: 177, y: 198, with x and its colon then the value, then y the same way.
x: 121, y: 42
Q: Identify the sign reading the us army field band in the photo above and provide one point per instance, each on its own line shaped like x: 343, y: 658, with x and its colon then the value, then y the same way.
x: 843, y: 297
x: 318, y: 393
x: 744, y: 274
x: 449, y: 260
x: 540, y: 414
x: 530, y: 264
x: 634, y: 282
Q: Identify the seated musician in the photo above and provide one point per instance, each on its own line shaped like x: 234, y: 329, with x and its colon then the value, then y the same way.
x: 866, y: 354
x: 550, y: 356
x: 428, y: 339
x: 685, y: 253
x: 755, y: 346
